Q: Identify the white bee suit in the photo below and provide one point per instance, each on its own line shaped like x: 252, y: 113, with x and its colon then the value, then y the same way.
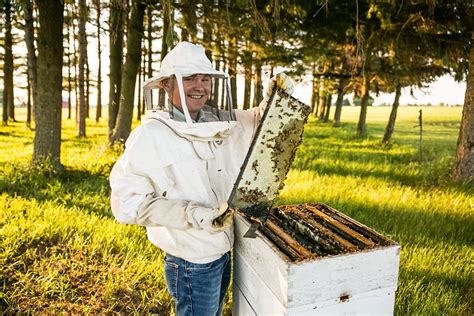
x: 176, y: 173
x: 169, y: 169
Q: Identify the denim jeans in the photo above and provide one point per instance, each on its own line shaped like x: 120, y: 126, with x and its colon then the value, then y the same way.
x: 198, y: 289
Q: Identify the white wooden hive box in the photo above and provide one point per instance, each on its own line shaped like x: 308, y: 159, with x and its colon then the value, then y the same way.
x: 358, y: 281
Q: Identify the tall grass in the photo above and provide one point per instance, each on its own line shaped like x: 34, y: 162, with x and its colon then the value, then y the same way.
x: 61, y: 250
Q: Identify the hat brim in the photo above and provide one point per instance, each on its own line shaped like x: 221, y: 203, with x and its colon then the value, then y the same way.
x: 157, y: 81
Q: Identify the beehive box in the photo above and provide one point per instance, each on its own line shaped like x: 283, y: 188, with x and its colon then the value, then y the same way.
x: 311, y: 259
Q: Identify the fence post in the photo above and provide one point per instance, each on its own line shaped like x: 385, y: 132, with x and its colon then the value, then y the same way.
x: 420, y: 119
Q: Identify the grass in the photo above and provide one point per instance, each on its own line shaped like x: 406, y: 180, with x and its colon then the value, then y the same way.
x: 62, y: 251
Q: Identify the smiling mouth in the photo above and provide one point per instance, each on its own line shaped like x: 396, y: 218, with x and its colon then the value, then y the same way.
x: 195, y: 97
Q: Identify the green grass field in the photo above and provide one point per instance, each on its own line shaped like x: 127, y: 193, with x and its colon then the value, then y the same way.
x: 62, y: 251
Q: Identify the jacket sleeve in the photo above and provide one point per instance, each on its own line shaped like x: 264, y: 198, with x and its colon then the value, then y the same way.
x: 250, y: 119
x: 135, y: 198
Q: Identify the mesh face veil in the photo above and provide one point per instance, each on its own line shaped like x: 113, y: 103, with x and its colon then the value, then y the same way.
x: 195, y: 91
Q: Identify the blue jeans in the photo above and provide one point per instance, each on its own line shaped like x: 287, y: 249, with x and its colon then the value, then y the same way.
x: 198, y: 289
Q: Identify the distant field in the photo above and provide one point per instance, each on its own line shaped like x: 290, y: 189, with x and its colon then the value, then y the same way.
x: 62, y: 251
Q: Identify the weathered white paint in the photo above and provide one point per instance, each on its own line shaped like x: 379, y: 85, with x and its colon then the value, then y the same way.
x: 255, y: 291
x: 358, y: 283
x: 267, y: 260
x: 240, y: 305
x: 332, y: 277
x: 368, y: 303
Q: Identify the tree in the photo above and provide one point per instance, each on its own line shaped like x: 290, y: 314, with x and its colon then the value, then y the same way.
x: 47, y: 141
x: 30, y: 45
x: 327, y: 108
x: 82, y: 61
x: 340, y: 96
x: 393, y: 115
x: 314, y: 90
x: 8, y: 105
x: 68, y: 21
x: 116, y: 29
x: 247, y: 60
x: 167, y: 39
x: 188, y: 21
x: 364, y: 99
x: 98, y: 113
x: 130, y: 71
x: 258, y: 86
x: 149, y: 47
x: 464, y: 165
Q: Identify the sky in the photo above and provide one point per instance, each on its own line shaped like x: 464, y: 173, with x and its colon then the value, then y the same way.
x: 444, y: 90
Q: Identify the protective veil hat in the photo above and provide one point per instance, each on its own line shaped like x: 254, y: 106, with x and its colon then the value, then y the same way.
x: 184, y: 59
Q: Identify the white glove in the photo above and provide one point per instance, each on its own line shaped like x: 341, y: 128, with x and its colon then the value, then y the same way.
x: 212, y: 220
x: 282, y: 81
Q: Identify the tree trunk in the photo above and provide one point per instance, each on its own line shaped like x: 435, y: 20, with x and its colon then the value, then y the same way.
x: 164, y: 49
x: 132, y: 63
x: 206, y: 24
x: 189, y: 21
x: 364, y: 99
x: 327, y: 108
x: 5, y: 108
x: 219, y: 59
x: 464, y: 165
x: 76, y: 64
x: 257, y: 85
x: 28, y: 102
x: 233, y: 68
x: 81, y: 132
x: 247, y: 80
x: 88, y: 83
x: 223, y: 88
x: 139, y: 92
x: 116, y: 59
x: 393, y: 115
x: 98, y: 113
x: 142, y: 97
x: 340, y: 97
x: 47, y: 141
x: 314, y: 91
x: 69, y: 77
x: 30, y: 46
x: 322, y: 104
x: 150, y: 47
x: 8, y: 67
x: 214, y: 98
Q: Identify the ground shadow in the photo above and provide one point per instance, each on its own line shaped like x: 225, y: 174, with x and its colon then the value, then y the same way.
x: 83, y: 189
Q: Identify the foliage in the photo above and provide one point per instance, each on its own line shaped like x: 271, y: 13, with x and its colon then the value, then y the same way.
x: 61, y: 250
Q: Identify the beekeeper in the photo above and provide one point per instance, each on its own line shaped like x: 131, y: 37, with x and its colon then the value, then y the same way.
x: 178, y: 170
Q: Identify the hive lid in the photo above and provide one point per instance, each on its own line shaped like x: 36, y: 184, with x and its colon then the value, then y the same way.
x: 271, y: 153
